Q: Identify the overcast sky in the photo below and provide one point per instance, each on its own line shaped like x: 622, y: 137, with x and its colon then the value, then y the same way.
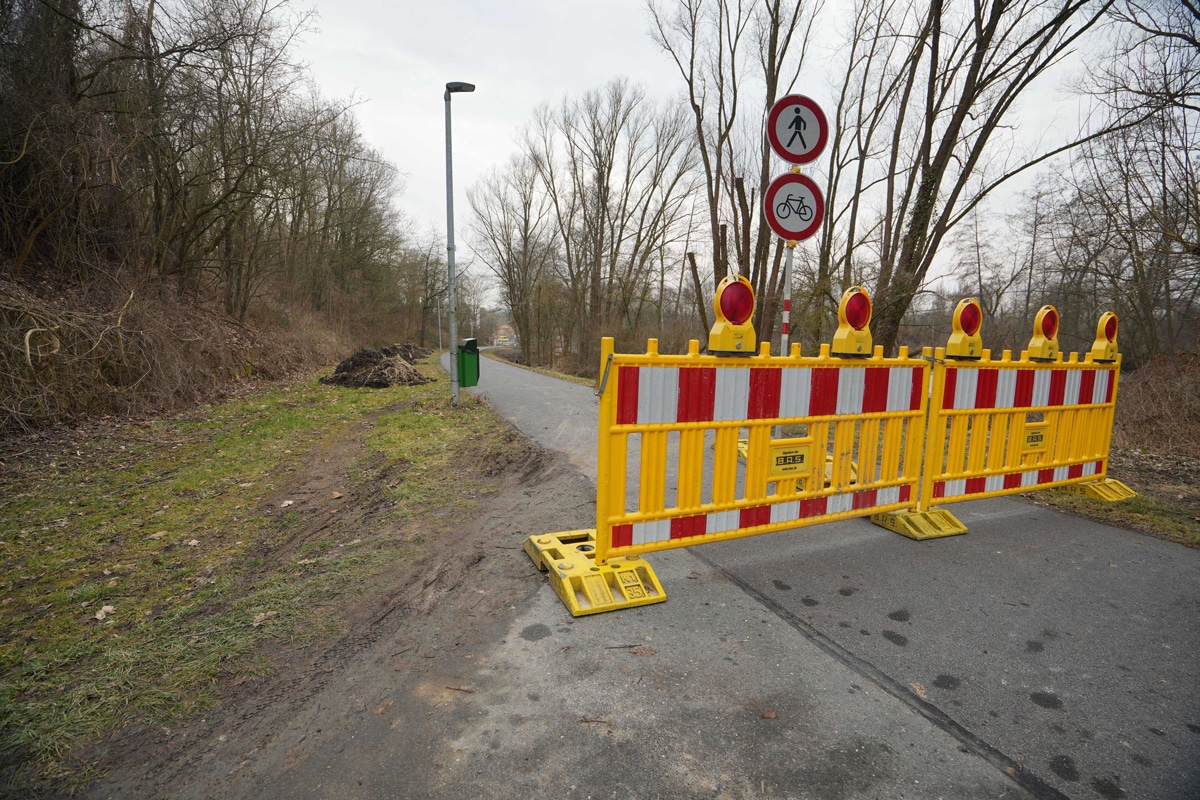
x: 398, y: 57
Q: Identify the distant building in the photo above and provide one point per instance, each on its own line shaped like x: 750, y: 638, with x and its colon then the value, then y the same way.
x: 505, y: 336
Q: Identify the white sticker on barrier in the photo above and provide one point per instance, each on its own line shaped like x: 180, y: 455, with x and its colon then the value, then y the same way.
x: 851, y: 384
x: 795, y: 388
x: 966, y: 382
x: 658, y: 395
x: 1041, y: 388
x: 732, y: 394
x: 1071, y: 388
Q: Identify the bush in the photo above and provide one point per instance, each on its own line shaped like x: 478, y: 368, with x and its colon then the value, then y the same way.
x: 1158, y: 407
x: 94, y: 348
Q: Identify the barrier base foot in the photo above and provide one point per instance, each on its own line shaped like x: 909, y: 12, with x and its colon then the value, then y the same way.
x: 1108, y: 490
x: 932, y: 524
x: 585, y: 587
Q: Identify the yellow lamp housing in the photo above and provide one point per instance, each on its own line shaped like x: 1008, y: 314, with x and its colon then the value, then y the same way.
x: 853, y: 337
x: 733, y: 333
x: 1105, y: 346
x: 1044, y: 344
x: 965, y: 341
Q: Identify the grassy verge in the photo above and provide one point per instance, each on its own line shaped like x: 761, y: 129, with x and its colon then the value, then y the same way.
x: 135, y: 584
x: 1145, y: 513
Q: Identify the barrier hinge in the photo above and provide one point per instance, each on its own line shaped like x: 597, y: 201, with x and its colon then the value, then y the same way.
x: 604, y: 378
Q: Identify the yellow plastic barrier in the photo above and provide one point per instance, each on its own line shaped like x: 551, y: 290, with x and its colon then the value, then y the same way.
x: 998, y: 427
x: 847, y: 433
x: 868, y: 413
x: 1005, y: 426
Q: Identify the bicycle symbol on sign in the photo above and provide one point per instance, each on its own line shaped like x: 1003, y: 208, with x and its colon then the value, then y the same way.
x: 794, y: 205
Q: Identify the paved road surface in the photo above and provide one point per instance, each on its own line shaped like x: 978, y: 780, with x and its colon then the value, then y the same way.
x: 1040, y: 645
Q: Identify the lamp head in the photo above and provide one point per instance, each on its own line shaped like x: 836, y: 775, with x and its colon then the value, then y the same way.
x: 458, y: 86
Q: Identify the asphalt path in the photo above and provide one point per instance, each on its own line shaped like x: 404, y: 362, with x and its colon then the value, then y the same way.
x: 1052, y: 653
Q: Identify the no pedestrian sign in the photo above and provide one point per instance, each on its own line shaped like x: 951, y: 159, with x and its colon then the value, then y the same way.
x: 797, y: 129
x: 794, y: 206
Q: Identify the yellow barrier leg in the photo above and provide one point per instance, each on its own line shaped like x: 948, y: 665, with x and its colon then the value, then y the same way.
x: 586, y: 587
x: 1108, y: 490
x: 932, y: 524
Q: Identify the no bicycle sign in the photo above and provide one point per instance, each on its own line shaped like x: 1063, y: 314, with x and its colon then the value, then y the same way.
x: 793, y: 206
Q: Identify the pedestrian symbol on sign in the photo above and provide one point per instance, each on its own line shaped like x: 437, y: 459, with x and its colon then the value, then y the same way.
x: 798, y: 124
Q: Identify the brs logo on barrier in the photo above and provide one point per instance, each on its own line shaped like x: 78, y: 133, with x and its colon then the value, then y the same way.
x: 790, y: 459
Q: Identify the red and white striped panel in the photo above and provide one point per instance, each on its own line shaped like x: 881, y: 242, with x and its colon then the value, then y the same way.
x: 723, y: 522
x: 1015, y: 480
x: 986, y: 387
x: 666, y: 395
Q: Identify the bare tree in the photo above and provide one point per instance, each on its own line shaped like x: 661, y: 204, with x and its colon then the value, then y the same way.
x: 616, y: 173
x: 929, y: 91
x: 513, y: 237
x: 736, y: 60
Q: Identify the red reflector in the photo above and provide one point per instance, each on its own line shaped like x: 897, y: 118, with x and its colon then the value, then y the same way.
x: 1050, y: 324
x: 1110, y: 329
x: 970, y: 319
x: 858, y: 311
x: 737, y: 303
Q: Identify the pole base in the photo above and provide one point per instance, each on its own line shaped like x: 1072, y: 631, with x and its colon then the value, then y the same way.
x: 920, y: 525
x: 586, y: 587
x: 1108, y: 490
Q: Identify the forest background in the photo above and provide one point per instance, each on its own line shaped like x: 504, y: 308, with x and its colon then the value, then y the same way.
x: 181, y: 208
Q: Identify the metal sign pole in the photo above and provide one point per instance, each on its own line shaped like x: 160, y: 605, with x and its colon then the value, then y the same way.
x: 452, y: 88
x: 787, y: 297
x: 450, y: 259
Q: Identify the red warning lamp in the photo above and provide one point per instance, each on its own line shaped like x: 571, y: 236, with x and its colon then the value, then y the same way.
x: 853, y: 337
x: 971, y: 318
x: 1044, y: 344
x: 965, y: 342
x: 1050, y: 323
x: 858, y: 310
x: 1105, y: 346
x: 732, y: 333
x: 737, y: 302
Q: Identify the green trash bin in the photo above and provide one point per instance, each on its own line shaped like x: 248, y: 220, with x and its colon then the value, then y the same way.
x: 468, y: 362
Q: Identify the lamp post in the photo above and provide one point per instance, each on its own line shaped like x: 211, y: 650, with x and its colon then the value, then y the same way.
x: 452, y: 88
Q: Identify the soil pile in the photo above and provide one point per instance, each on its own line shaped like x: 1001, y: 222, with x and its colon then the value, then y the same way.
x: 379, y: 369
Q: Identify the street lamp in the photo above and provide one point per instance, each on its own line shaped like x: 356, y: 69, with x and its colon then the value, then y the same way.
x: 452, y: 88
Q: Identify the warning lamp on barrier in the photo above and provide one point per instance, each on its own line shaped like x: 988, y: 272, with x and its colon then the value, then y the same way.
x: 1105, y: 346
x: 1044, y: 344
x: 733, y: 333
x: 965, y: 342
x: 853, y: 337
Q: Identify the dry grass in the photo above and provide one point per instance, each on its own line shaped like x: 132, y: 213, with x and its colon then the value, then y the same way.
x: 102, y: 349
x: 1158, y: 407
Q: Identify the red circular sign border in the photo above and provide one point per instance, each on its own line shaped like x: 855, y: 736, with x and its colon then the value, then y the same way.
x: 769, y: 203
x: 780, y: 106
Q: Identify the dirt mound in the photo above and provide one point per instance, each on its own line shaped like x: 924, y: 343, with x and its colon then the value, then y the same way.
x: 375, y: 369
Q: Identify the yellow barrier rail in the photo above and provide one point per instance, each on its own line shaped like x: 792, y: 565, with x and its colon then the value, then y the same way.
x: 868, y: 413
x: 1006, y: 426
